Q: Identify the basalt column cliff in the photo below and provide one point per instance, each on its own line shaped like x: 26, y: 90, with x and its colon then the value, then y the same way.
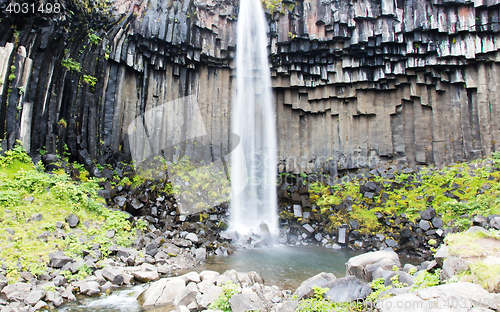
x: 356, y: 83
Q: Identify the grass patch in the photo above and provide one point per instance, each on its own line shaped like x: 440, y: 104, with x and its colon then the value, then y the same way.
x: 486, y: 275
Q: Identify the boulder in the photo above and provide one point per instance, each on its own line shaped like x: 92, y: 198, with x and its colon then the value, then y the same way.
x: 192, y: 237
x: 347, y: 289
x: 149, y: 296
x: 201, y: 253
x: 34, y: 296
x: 442, y: 254
x: 428, y: 214
x: 209, y: 296
x: 16, y: 292
x: 453, y: 265
x: 449, y: 297
x: 57, y: 299
x: 112, y: 275
x: 305, y: 290
x: 191, y: 277
x: 287, y: 306
x: 90, y: 288
x: 246, y: 302
x: 41, y: 305
x: 72, y: 220
x: 162, y: 292
x: 3, y: 281
x: 187, y: 295
x: 145, y: 276
x: 57, y: 259
x: 364, y: 265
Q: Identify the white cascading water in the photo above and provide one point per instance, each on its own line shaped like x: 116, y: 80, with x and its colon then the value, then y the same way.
x: 253, y: 162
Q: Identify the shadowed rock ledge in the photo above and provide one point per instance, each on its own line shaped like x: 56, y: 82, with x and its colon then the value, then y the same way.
x: 356, y: 83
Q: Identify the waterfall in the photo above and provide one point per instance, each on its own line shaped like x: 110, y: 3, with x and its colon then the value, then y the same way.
x: 253, y: 204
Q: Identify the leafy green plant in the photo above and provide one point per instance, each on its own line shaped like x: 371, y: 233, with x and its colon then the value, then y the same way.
x: 91, y: 80
x: 426, y: 279
x: 222, y: 302
x: 317, y: 303
x: 63, y: 123
x: 94, y: 39
x: 378, y: 286
x: 71, y: 65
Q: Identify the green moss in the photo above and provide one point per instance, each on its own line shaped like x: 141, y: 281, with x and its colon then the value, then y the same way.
x: 486, y: 275
x: 469, y: 245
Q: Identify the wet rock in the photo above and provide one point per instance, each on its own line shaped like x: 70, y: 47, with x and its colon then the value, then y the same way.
x: 305, y: 290
x: 347, y: 289
x: 342, y: 235
x: 136, y: 204
x: 152, y: 249
x: 297, y: 211
x: 72, y: 220
x: 246, y: 302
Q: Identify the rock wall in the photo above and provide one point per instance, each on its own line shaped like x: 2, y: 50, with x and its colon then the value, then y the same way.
x: 356, y: 83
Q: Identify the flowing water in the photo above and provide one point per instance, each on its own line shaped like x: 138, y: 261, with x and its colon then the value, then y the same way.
x: 253, y: 161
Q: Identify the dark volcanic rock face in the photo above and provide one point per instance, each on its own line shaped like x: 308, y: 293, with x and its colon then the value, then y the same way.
x: 356, y: 83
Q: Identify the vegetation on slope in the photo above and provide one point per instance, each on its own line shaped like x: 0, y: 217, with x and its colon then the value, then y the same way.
x: 455, y: 191
x: 26, y: 191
